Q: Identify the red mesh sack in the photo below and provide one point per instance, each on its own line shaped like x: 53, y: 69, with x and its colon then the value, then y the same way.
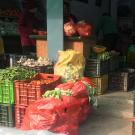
x: 69, y: 28
x: 84, y: 29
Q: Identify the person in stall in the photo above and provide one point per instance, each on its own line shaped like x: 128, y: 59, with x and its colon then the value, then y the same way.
x: 30, y: 19
x: 108, y: 27
x: 68, y: 16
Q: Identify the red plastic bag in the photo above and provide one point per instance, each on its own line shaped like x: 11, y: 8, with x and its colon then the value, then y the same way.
x: 86, y: 109
x: 88, y: 80
x: 84, y: 29
x: 35, y: 117
x: 56, y: 115
x: 69, y: 117
x: 66, y: 86
x: 79, y: 90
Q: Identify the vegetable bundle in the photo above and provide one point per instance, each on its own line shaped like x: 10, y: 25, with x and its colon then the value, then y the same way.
x: 57, y: 93
x: 16, y: 73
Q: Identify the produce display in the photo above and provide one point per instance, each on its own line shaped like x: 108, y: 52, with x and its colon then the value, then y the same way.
x: 61, y: 110
x: 16, y: 73
x: 32, y: 62
x: 57, y: 93
x: 104, y: 55
x: 81, y: 28
x: 98, y: 49
x: 84, y: 29
x: 42, y: 81
x: 69, y: 28
x: 101, y: 56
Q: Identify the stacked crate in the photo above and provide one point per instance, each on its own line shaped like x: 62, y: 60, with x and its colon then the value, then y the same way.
x: 122, y: 80
x: 133, y: 119
x: 27, y: 92
x: 114, y: 63
x: 7, y: 104
x: 2, y: 61
x: 98, y: 71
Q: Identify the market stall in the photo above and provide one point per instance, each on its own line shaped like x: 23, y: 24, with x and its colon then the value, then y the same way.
x: 57, y: 89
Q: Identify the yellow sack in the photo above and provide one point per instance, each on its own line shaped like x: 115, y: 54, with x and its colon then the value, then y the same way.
x: 70, y: 65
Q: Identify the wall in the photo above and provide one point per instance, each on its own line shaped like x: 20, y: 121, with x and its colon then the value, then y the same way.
x: 89, y: 12
x: 115, y: 3
x: 9, y: 4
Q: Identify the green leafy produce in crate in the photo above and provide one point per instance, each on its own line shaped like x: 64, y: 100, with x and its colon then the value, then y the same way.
x: 7, y: 77
x: 101, y: 56
x: 16, y: 73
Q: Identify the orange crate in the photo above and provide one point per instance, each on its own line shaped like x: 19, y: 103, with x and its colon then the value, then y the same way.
x: 26, y: 92
x: 19, y: 115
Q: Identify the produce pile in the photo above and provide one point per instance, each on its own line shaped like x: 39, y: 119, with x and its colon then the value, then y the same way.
x: 57, y: 93
x: 103, y: 56
x: 63, y: 109
x: 16, y: 73
x: 70, y: 65
x: 33, y: 63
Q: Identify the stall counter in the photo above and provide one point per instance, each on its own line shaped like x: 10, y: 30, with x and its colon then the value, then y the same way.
x: 76, y: 43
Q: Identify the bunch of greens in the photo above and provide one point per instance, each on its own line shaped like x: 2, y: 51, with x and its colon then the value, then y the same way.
x: 57, y: 93
x: 15, y: 73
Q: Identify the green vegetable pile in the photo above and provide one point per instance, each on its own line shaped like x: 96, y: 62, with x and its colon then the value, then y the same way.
x: 101, y: 56
x: 57, y: 93
x: 15, y: 73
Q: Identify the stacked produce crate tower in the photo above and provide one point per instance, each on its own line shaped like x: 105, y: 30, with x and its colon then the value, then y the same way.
x: 28, y: 91
x: 22, y: 84
x: 97, y: 67
x: 7, y: 77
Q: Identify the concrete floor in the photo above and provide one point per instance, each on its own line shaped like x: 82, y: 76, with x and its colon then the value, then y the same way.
x: 111, y: 117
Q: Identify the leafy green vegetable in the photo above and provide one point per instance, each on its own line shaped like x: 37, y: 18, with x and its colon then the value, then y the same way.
x: 16, y: 73
x: 57, y: 93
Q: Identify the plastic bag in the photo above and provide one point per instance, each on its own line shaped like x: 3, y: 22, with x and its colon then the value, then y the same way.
x: 79, y: 90
x: 56, y: 115
x: 35, y: 117
x: 84, y: 29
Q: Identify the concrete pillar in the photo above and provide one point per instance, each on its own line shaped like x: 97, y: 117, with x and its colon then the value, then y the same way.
x: 54, y: 27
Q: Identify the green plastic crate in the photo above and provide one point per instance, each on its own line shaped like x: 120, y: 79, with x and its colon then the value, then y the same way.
x: 6, y: 92
x: 7, y: 115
